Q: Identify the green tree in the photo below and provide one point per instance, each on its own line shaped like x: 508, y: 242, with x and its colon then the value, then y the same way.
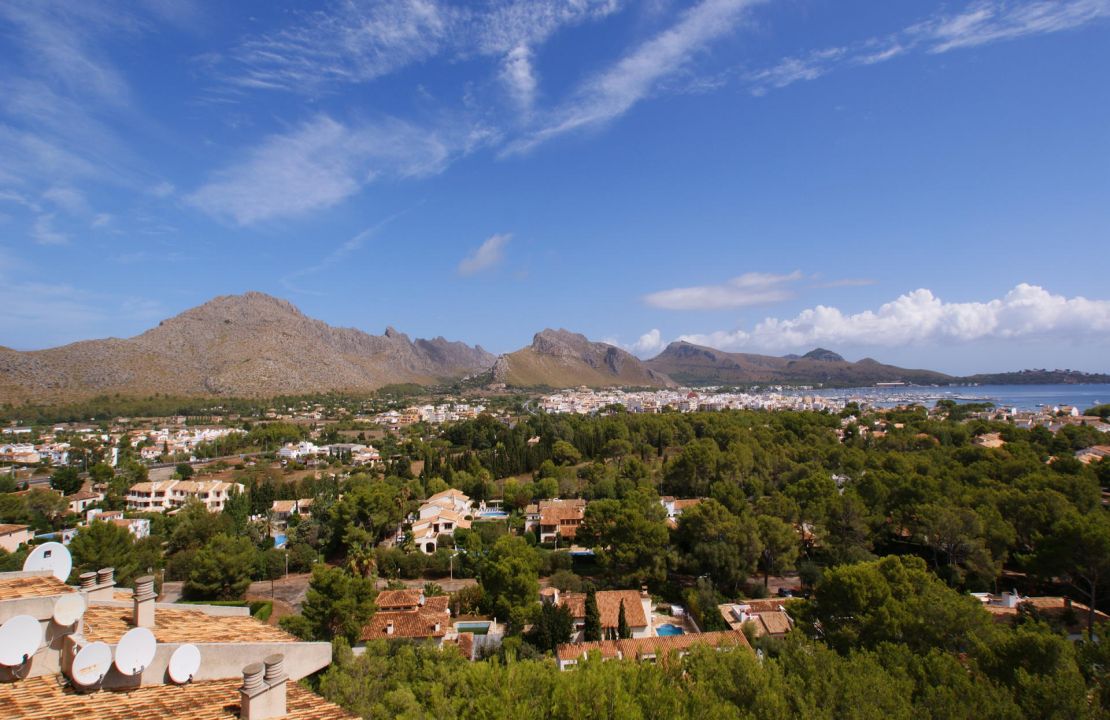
x: 337, y: 605
x: 714, y: 542
x: 592, y: 631
x: 184, y: 470
x: 780, y: 546
x: 101, y: 473
x: 508, y: 578
x: 629, y: 538
x: 66, y: 480
x: 101, y: 545
x: 552, y: 628
x: 895, y: 599
x: 565, y: 454
x: 237, y: 508
x: 222, y: 569
x: 1078, y: 549
x: 623, y: 631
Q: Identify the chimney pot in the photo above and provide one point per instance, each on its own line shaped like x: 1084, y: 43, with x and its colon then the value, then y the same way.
x: 106, y: 576
x: 88, y: 580
x: 143, y: 600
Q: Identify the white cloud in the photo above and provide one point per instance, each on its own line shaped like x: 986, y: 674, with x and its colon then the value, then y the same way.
x: 318, y: 165
x: 44, y: 233
x: 993, y: 20
x: 486, y: 255
x: 358, y: 41
x: 980, y: 23
x: 649, y: 344
x: 67, y: 198
x: 634, y: 77
x: 746, y: 290
x: 919, y: 317
x: 520, y: 78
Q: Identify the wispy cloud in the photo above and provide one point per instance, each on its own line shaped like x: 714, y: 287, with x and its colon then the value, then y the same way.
x: 44, y: 233
x: 920, y: 317
x: 486, y: 255
x: 520, y: 77
x: 979, y: 23
x: 634, y: 77
x: 358, y: 41
x: 743, y: 291
x: 341, y: 253
x: 319, y: 164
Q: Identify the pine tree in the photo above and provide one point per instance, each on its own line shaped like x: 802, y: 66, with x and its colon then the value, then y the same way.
x: 593, y: 617
x: 623, y: 631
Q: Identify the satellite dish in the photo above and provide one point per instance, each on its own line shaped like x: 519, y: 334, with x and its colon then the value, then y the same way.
x: 91, y: 664
x: 69, y: 609
x: 184, y: 664
x: 52, y: 556
x: 20, y: 638
x: 135, y: 650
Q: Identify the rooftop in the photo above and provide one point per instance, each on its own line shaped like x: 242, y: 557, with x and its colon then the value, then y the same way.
x: 609, y: 607
x: 13, y: 588
x: 48, y: 698
x: 108, y: 624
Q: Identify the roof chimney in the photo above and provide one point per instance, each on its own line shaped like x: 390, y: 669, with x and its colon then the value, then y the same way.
x: 144, y: 602
x: 263, y: 694
x: 88, y: 581
x: 105, y: 584
x: 389, y: 628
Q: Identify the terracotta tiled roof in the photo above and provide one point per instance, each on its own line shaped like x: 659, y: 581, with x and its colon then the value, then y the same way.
x: 609, y: 607
x: 12, y: 588
x: 636, y: 648
x: 765, y: 604
x: 108, y: 624
x: 554, y: 512
x: 46, y: 698
x: 392, y: 599
x: 775, y: 623
x: 438, y: 603
x: 407, y: 624
x: 6, y: 529
x: 683, y: 503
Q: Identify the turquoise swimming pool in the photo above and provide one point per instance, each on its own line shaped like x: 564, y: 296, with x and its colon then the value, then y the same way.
x: 669, y: 630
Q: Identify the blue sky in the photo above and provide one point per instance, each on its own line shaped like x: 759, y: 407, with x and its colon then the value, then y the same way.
x: 924, y: 183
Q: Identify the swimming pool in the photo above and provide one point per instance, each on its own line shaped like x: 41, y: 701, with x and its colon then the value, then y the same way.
x: 477, y: 627
x: 668, y: 630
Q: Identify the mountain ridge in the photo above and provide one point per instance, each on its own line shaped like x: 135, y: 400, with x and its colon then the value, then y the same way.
x: 244, y: 345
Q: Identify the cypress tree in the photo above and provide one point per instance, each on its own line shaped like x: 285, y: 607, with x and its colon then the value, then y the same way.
x: 623, y: 631
x: 593, y: 617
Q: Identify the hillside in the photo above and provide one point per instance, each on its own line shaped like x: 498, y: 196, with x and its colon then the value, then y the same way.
x: 241, y: 345
x: 559, y: 358
x: 1038, y: 377
x: 692, y: 364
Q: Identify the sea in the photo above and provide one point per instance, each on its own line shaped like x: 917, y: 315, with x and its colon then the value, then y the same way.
x: 1020, y: 397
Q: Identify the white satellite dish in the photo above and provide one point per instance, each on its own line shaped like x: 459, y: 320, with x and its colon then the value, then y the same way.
x: 52, y: 556
x: 69, y: 609
x: 20, y: 638
x: 135, y: 651
x: 184, y: 664
x: 91, y: 664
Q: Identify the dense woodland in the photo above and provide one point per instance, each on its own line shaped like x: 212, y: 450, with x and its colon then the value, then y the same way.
x: 887, y: 535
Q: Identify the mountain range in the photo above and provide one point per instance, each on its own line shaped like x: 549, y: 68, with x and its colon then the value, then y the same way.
x: 255, y: 345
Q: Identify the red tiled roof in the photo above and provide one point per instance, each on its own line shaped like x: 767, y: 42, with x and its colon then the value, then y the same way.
x: 609, y: 607
x: 392, y: 599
